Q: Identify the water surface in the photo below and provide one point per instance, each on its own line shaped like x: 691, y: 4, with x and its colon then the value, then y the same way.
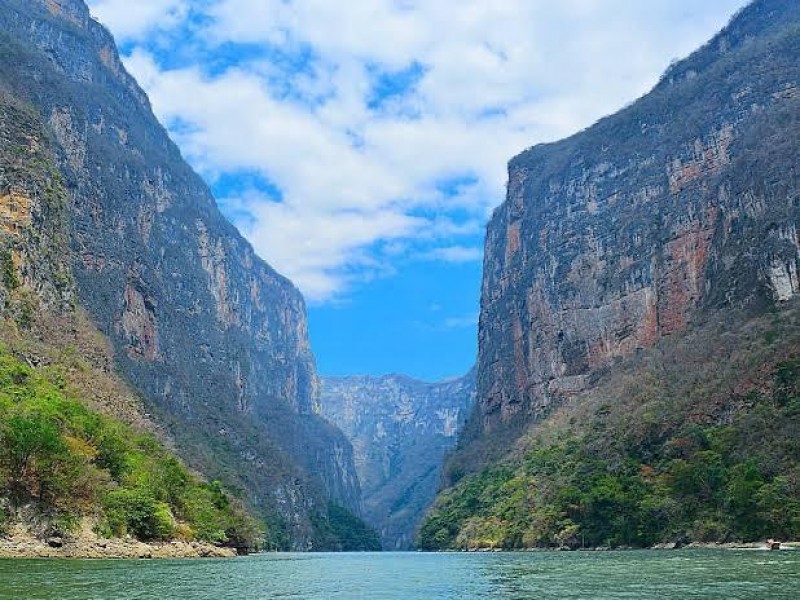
x: 404, y: 576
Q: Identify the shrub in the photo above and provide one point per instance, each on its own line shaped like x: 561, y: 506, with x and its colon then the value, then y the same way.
x: 3, y: 519
x: 70, y: 462
x: 30, y: 450
x: 207, y: 521
x: 9, y: 271
x: 136, y: 512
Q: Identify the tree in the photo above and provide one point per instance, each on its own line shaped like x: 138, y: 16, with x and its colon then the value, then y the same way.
x: 30, y: 450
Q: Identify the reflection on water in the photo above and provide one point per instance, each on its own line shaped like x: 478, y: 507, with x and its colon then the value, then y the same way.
x: 393, y: 576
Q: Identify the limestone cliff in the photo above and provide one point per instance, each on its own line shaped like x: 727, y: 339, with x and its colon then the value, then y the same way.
x: 400, y: 429
x: 681, y: 205
x: 214, y: 339
x: 639, y: 350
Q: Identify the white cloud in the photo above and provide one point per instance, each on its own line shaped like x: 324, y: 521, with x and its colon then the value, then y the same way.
x: 322, y: 252
x: 454, y: 254
x: 133, y: 19
x: 452, y: 323
x: 363, y: 185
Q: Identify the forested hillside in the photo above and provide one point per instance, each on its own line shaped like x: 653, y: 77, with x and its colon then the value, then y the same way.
x: 694, y: 440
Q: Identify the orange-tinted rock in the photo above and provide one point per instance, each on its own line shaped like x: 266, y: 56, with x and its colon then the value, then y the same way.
x: 139, y: 325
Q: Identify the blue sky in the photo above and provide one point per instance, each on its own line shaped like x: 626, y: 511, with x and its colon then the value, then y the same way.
x: 361, y: 146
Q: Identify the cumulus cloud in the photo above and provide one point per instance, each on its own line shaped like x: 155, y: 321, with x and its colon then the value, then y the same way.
x: 380, y: 130
x: 133, y: 19
x: 322, y: 251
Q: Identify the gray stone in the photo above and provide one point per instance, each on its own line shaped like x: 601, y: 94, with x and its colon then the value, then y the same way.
x: 400, y: 429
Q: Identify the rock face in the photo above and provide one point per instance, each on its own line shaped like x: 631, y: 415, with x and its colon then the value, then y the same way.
x: 683, y: 204
x: 34, y: 266
x: 400, y: 429
x: 214, y: 339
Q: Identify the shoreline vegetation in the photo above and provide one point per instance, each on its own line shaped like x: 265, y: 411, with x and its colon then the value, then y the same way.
x: 76, y: 483
x: 22, y: 546
x: 790, y: 546
x: 654, y: 454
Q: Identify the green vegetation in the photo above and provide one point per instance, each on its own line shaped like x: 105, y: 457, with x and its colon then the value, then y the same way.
x: 624, y: 480
x: 10, y: 279
x: 343, y: 531
x: 71, y: 463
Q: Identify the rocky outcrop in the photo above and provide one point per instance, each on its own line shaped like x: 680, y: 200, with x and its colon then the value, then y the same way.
x: 400, y: 429
x: 85, y: 544
x: 213, y: 338
x: 683, y: 204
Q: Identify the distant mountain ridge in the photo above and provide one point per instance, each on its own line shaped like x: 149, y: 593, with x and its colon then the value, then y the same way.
x: 400, y: 429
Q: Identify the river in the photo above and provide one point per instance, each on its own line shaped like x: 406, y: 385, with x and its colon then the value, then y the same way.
x: 664, y: 575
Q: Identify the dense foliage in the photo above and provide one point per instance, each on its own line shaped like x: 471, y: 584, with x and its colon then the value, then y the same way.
x: 343, y: 531
x: 624, y: 481
x: 70, y: 463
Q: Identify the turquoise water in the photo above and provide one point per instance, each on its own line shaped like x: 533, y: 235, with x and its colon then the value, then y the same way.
x: 637, y: 574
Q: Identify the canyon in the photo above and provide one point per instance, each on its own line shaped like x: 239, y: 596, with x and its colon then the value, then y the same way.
x: 400, y: 429
x: 637, y: 341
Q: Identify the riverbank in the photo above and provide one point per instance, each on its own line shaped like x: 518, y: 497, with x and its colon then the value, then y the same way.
x: 20, y: 545
x: 790, y: 545
x: 728, y: 546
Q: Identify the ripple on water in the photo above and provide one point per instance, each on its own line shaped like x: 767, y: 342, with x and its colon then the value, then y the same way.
x: 662, y: 575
